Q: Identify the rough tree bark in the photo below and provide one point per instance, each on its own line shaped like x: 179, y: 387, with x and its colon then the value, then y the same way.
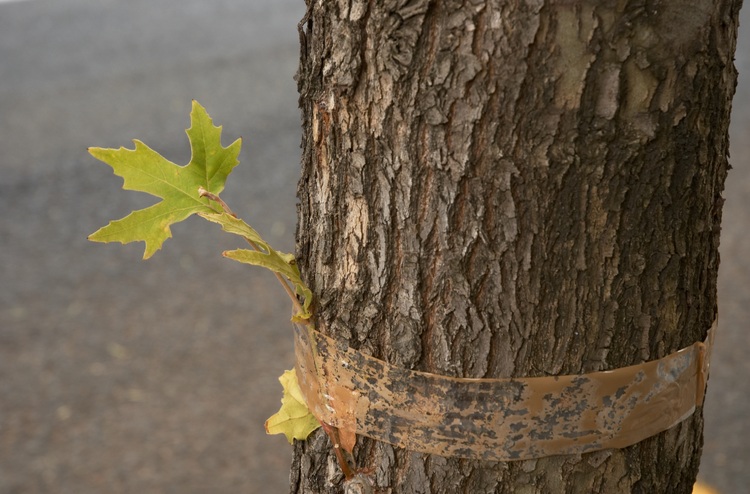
x: 514, y: 188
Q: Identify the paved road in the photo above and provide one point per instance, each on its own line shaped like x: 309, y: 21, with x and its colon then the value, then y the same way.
x: 118, y: 375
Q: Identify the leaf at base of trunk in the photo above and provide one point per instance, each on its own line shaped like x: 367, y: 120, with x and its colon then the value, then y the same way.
x: 293, y: 419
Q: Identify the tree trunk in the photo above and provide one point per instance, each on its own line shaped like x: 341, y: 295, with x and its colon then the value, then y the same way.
x: 511, y: 189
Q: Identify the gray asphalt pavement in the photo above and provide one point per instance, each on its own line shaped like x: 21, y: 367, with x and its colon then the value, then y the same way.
x: 119, y: 375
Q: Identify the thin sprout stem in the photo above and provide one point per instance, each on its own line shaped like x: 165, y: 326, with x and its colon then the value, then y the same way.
x: 331, y: 431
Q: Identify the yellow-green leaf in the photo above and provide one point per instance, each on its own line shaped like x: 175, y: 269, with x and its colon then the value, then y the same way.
x: 145, y: 170
x: 293, y: 419
x: 266, y: 256
x: 232, y: 224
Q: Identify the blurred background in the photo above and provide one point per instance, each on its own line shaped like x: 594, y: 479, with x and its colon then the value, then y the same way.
x: 119, y: 375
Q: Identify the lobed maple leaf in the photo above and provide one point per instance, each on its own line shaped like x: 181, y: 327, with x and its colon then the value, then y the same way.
x: 145, y: 170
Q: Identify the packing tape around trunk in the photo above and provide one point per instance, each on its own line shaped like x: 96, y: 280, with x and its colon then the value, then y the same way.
x: 498, y: 419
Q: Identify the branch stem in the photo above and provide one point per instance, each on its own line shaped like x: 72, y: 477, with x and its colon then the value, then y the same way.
x: 333, y: 435
x: 204, y: 193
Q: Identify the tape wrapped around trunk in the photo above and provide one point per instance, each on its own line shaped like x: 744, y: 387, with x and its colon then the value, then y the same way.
x: 497, y: 419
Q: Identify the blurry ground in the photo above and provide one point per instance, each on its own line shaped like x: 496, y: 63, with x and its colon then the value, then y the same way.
x: 118, y: 375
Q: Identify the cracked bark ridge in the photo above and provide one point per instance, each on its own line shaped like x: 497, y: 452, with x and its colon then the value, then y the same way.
x: 506, y: 188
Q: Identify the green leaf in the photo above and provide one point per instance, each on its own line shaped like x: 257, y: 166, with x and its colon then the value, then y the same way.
x: 145, y: 170
x: 266, y: 256
x: 293, y: 419
x: 235, y: 225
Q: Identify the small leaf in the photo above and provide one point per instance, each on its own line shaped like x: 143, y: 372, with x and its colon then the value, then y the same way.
x: 145, y: 170
x: 293, y: 419
x: 234, y: 225
x: 277, y: 263
x: 266, y: 257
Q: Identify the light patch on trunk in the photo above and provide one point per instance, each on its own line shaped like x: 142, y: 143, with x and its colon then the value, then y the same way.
x: 355, y: 238
x: 606, y: 103
x: 641, y: 86
x: 573, y: 35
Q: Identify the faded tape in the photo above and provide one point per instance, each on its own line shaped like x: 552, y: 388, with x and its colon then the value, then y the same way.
x: 497, y: 419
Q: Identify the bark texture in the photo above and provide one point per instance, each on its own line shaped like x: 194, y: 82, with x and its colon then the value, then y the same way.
x: 514, y: 188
